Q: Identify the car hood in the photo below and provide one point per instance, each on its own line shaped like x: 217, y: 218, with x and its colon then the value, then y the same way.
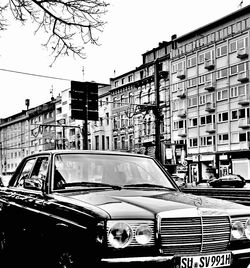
x: 146, y: 203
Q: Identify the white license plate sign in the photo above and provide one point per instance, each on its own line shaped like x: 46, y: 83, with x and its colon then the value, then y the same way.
x: 206, y: 261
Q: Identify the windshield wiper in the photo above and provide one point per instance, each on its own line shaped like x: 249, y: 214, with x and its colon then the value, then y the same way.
x: 148, y: 185
x: 91, y: 184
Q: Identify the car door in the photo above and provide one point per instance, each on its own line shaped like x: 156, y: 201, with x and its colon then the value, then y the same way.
x: 24, y: 203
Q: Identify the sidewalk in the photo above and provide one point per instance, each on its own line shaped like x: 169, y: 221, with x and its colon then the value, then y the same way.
x: 205, y: 185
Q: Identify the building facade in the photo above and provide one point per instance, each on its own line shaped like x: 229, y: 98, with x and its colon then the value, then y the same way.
x: 26, y: 133
x: 204, y: 100
x: 189, y: 102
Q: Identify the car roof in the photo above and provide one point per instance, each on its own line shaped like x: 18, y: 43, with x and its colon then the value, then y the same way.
x: 94, y: 152
x: 230, y: 176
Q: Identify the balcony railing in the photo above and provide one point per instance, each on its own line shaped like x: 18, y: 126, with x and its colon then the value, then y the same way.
x: 209, y: 64
x: 243, y: 77
x: 210, y: 128
x: 181, y: 93
x: 182, y: 113
x: 242, y: 53
x: 210, y: 107
x: 209, y: 86
x: 181, y: 74
x: 243, y: 100
x: 182, y: 132
x: 244, y: 123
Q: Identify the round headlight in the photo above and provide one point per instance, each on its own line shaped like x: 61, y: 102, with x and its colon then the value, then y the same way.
x: 237, y: 230
x: 247, y: 228
x: 143, y: 234
x: 120, y: 235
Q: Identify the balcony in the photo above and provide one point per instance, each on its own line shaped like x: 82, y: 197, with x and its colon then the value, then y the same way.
x: 182, y: 132
x: 182, y: 113
x: 242, y: 53
x: 243, y: 77
x: 209, y: 86
x: 210, y: 107
x: 163, y: 74
x: 210, y: 128
x: 181, y: 74
x: 245, y: 145
x: 244, y: 123
x: 181, y: 93
x: 209, y: 64
x: 243, y: 100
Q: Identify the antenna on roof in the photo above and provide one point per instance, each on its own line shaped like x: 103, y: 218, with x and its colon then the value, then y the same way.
x: 240, y: 5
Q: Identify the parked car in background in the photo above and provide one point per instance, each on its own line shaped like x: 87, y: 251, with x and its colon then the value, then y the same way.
x: 180, y: 179
x: 84, y: 208
x: 231, y: 180
x: 4, y: 179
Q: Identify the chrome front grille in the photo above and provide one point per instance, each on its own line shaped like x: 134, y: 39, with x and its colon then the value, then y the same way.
x: 194, y: 234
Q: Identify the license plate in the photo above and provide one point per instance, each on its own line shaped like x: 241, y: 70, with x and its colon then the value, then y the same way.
x: 206, y: 261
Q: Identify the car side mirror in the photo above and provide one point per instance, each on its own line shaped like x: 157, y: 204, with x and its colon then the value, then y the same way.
x: 1, y: 182
x: 34, y: 183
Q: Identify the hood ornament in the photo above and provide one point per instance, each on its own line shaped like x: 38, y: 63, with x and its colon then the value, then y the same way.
x: 198, y: 202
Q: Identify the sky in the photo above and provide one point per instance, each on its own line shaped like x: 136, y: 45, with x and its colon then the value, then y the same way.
x: 133, y: 27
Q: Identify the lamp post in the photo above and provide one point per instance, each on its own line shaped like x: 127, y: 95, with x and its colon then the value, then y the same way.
x: 156, y: 111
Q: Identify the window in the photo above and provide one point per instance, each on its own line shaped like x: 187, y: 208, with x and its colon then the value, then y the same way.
x: 206, y: 140
x: 193, y: 142
x: 208, y: 119
x: 242, y: 137
x: 234, y: 114
x: 237, y: 44
x: 115, y: 143
x: 206, y: 98
x: 97, y: 142
x: 233, y: 92
x: 107, y: 119
x: 191, y: 62
x: 107, y: 143
x: 223, y: 117
x: 103, y: 142
x: 221, y: 51
x: 192, y: 101
x: 193, y: 122
x: 222, y: 73
x: 209, y: 55
x: 191, y: 82
x: 223, y: 138
x: 222, y: 94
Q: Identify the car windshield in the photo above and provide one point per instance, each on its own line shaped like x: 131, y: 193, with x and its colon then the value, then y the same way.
x: 89, y: 170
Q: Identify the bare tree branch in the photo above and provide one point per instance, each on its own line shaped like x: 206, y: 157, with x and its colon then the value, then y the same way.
x: 68, y: 24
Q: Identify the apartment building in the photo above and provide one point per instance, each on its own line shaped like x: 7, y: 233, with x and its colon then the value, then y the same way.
x: 133, y: 97
x: 26, y: 133
x: 100, y: 132
x: 68, y: 130
x: 204, y: 99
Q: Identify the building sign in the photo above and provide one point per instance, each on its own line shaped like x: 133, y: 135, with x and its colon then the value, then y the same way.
x: 169, y: 154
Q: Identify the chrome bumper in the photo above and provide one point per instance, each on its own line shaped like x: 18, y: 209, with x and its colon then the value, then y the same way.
x: 237, y: 254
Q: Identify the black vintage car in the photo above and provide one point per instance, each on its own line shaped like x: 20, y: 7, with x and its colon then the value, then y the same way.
x: 84, y: 208
x: 230, y: 180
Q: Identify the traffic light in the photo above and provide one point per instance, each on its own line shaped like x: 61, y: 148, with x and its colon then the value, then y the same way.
x: 92, y: 100
x: 84, y: 100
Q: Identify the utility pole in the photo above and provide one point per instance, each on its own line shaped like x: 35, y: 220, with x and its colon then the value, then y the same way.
x: 85, y: 125
x: 156, y: 111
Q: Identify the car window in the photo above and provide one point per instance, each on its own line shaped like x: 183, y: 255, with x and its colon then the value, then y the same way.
x: 33, y: 173
x: 25, y: 172
x: 109, y: 169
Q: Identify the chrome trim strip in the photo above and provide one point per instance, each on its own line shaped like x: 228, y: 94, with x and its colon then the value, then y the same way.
x: 162, y: 258
x: 48, y: 214
x: 241, y: 251
x: 137, y: 259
